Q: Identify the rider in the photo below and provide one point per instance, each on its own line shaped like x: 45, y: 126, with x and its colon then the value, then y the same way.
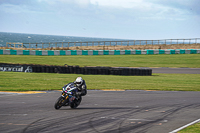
x: 81, y: 85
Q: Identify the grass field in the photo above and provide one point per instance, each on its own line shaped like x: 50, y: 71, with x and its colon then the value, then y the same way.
x: 50, y: 81
x: 176, y: 60
x: 16, y: 81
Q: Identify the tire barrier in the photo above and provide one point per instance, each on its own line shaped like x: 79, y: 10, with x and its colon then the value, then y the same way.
x: 127, y: 71
x: 15, y: 67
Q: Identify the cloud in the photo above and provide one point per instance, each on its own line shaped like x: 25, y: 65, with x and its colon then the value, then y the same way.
x: 97, y: 16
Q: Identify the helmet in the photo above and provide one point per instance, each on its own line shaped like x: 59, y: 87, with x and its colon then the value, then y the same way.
x: 79, y: 81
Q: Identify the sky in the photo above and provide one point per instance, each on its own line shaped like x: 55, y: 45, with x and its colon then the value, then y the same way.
x: 119, y: 19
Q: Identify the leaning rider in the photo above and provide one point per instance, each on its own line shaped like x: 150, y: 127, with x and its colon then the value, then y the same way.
x: 81, y: 85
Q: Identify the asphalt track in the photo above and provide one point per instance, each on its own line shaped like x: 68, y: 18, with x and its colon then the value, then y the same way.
x: 175, y: 70
x: 101, y: 111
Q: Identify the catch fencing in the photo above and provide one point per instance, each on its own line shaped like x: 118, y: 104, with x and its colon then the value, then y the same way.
x: 43, y: 45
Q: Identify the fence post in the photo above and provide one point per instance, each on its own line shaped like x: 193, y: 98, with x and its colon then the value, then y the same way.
x: 36, y: 45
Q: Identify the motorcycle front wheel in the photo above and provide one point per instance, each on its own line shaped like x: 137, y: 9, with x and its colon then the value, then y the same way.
x: 59, y: 103
x: 75, y: 103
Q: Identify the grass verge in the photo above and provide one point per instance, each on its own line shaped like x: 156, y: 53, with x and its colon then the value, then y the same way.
x: 191, y: 129
x: 17, y: 81
x: 175, y: 60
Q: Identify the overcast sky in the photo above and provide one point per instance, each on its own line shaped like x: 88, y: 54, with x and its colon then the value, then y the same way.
x: 120, y: 19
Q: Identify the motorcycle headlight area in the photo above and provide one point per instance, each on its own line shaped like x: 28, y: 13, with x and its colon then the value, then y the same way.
x: 69, y: 92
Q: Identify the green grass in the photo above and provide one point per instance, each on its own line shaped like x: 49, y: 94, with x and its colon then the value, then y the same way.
x: 17, y: 81
x: 176, y: 60
x: 191, y: 129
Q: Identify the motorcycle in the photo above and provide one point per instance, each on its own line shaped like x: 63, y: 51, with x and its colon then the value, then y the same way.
x: 68, y: 97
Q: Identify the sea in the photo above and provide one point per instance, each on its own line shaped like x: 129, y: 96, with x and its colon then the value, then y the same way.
x: 49, y: 41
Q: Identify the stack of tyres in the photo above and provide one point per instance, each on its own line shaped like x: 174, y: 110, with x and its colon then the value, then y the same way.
x: 67, y: 69
x: 140, y: 72
x: 82, y: 69
x: 125, y: 71
x: 38, y: 69
x: 51, y: 69
x: 71, y: 69
x: 99, y: 70
x: 106, y: 70
x: 133, y: 71
x: 87, y: 70
x: 42, y: 69
x: 149, y: 72
x: 137, y: 72
x: 47, y: 69
x: 77, y: 70
x: 59, y: 69
x: 33, y: 68
x: 62, y: 69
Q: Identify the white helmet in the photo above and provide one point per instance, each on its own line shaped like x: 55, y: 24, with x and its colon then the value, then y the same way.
x: 79, y: 81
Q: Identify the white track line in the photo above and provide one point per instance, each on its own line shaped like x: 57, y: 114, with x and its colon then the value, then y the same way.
x: 185, y: 126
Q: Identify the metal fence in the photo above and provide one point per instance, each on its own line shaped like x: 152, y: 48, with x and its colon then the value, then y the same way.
x: 43, y: 45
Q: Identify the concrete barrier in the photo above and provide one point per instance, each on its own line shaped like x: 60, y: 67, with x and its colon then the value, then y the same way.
x: 98, y: 52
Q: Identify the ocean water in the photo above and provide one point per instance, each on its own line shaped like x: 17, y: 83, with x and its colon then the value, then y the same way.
x: 47, y: 41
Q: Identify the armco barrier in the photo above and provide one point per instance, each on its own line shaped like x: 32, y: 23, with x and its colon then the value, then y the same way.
x: 76, y: 69
x: 97, y: 52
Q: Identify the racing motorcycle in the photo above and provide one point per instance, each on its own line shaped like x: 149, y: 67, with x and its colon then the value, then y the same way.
x: 68, y: 97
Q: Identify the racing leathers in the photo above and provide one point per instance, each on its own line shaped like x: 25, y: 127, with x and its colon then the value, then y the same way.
x: 82, y: 89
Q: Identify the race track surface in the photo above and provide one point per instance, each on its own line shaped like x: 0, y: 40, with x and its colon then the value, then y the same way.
x: 175, y: 70
x: 100, y: 112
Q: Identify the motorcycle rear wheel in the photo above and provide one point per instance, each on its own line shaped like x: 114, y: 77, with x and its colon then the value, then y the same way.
x: 59, y: 103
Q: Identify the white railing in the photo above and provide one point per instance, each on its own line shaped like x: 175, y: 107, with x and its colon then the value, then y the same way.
x: 43, y: 45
